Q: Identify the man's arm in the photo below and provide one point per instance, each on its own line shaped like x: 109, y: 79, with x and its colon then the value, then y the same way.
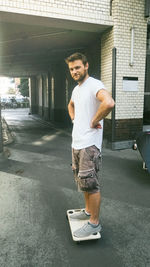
x: 107, y: 104
x: 71, y: 109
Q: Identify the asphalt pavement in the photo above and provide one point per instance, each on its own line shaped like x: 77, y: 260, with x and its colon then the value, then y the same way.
x: 36, y: 189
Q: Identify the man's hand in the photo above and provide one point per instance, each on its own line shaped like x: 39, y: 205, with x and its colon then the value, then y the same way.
x: 96, y: 125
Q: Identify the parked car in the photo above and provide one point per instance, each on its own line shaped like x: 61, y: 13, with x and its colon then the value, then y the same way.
x: 3, y: 102
x: 14, y: 102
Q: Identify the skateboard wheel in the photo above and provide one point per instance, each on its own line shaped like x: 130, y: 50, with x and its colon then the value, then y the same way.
x: 95, y: 234
x: 70, y: 212
x: 134, y: 146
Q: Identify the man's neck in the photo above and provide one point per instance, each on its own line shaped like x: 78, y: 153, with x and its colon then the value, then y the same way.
x: 81, y: 82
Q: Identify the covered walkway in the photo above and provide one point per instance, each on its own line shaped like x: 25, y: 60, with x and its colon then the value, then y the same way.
x: 35, y: 47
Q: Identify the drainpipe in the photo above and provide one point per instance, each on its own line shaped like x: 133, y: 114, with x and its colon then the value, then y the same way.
x: 111, y: 7
x: 114, y: 53
x: 147, y: 8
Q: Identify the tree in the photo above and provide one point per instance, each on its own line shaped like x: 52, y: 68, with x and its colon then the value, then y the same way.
x: 24, y: 86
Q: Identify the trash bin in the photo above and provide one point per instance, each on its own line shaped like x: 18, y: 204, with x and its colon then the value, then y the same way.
x: 143, y: 145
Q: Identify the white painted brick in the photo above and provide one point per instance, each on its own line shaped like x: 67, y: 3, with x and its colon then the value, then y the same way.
x: 93, y: 11
x: 125, y: 14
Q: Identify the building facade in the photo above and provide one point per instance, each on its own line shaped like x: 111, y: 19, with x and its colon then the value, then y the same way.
x: 115, y: 35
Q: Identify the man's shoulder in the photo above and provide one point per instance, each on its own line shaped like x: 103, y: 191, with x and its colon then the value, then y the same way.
x: 75, y: 88
x: 94, y: 80
x: 96, y: 83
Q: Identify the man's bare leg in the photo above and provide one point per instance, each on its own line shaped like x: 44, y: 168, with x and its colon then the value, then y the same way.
x: 94, y: 201
x: 92, y: 206
x: 86, y: 197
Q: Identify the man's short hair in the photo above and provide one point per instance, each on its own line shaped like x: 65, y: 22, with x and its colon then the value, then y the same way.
x: 77, y: 56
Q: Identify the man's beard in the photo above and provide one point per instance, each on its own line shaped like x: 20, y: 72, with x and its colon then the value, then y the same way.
x: 81, y: 77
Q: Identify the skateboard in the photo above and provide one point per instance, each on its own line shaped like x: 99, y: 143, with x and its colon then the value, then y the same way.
x: 76, y: 224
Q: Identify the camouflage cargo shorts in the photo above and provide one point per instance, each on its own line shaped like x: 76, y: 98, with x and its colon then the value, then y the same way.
x: 86, y: 163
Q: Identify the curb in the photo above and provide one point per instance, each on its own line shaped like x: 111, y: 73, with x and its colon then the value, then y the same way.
x: 8, y: 137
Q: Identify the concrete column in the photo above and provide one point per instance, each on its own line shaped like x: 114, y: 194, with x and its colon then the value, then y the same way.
x: 45, y: 97
x: 32, y: 94
x: 60, y: 112
x: 39, y: 95
x: 50, y: 98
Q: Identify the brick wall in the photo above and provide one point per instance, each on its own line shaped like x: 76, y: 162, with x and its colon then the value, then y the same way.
x: 126, y: 14
x: 94, y: 11
x: 129, y: 105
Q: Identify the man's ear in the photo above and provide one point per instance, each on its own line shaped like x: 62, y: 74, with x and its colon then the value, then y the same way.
x: 87, y: 65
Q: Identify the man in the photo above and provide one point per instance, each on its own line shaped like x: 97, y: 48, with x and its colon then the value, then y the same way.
x: 89, y: 105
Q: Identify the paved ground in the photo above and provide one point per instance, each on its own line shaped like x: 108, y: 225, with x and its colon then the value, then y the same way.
x: 36, y: 189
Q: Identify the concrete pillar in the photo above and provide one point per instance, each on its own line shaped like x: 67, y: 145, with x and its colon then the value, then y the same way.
x: 39, y: 95
x: 33, y: 95
x: 60, y: 112
x: 50, y: 95
x: 45, y: 97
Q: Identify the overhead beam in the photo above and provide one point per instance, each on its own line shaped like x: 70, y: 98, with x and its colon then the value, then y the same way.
x: 52, y: 22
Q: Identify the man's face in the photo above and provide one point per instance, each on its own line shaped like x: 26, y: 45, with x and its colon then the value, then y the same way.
x: 78, y: 70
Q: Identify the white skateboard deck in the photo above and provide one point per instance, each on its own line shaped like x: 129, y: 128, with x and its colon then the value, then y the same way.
x: 76, y: 224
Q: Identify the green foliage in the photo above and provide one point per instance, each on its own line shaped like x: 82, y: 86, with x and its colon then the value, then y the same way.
x: 24, y: 87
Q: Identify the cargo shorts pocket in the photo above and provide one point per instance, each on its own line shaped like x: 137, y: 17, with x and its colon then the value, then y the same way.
x: 94, y: 156
x: 88, y: 181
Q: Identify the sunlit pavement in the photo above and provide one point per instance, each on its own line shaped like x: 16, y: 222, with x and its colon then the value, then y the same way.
x: 36, y: 189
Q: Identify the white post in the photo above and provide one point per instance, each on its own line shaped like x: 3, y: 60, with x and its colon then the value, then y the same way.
x: 132, y: 46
